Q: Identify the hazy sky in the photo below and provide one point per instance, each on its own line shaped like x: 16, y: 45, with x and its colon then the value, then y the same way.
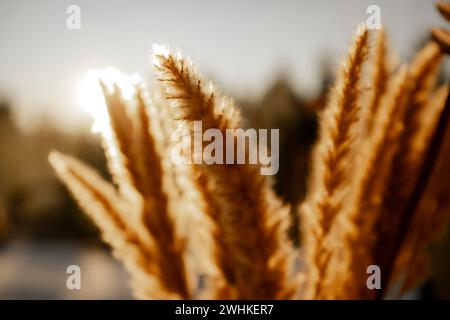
x: 243, y: 45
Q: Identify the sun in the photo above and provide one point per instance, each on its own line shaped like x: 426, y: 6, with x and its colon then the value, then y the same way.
x: 91, y: 99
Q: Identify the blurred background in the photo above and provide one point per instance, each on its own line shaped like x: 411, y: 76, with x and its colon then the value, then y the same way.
x: 277, y: 58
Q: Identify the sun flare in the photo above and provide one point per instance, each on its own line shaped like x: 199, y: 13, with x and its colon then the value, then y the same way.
x: 91, y: 98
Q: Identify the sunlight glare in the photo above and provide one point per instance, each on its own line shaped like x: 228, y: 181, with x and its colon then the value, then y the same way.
x: 91, y: 98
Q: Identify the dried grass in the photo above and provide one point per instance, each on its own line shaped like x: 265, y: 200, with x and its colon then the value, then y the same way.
x: 130, y: 150
x: 330, y: 181
x: 245, y: 211
x: 399, y: 120
x: 365, y: 167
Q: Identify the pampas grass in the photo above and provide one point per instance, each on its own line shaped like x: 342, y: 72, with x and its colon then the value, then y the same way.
x: 171, y: 223
x: 245, y: 211
x: 380, y: 73
x: 330, y: 176
x: 357, y: 232
x: 130, y: 242
x: 130, y: 149
x: 441, y: 35
x: 368, y: 225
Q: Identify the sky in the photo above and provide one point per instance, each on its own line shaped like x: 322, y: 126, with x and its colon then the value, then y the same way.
x: 242, y: 45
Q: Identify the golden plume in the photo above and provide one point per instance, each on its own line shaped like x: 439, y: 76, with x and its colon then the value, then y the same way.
x: 356, y: 229
x: 331, y: 161
x: 380, y: 74
x: 440, y: 35
x: 132, y: 151
x: 249, y: 215
x: 371, y: 199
